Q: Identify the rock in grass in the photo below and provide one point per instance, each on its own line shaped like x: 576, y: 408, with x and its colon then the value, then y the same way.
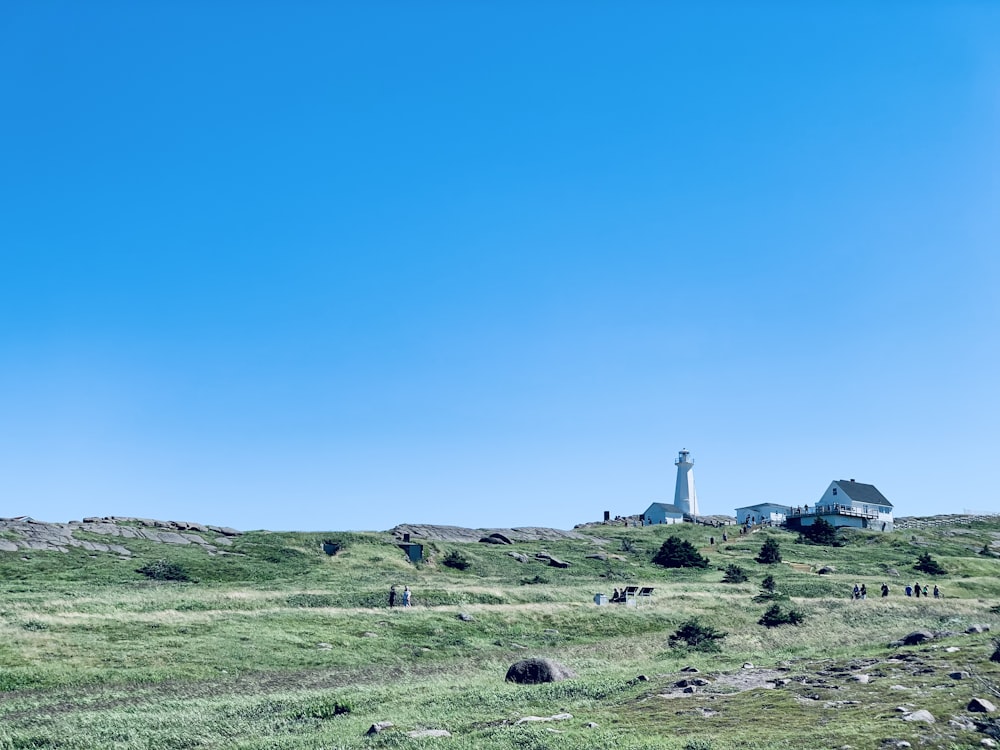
x: 922, y: 715
x: 555, y: 717
x: 961, y: 675
x: 429, y: 733
x: 980, y: 706
x: 380, y: 726
x: 917, y: 636
x: 536, y: 671
x: 977, y: 629
x: 465, y: 617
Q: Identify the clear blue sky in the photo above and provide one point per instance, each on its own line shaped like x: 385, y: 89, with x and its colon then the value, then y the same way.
x: 347, y: 265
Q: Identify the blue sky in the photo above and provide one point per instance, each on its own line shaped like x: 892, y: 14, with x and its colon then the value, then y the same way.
x: 333, y: 266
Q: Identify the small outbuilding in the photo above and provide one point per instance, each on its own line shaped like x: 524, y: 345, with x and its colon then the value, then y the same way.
x: 658, y: 513
x: 773, y: 513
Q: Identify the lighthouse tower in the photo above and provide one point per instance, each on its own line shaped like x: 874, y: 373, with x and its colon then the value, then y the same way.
x: 685, y: 496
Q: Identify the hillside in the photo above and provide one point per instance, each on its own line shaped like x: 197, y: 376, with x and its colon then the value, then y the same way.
x: 271, y: 642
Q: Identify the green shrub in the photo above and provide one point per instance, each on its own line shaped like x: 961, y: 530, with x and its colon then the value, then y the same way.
x: 679, y: 553
x: 697, y: 636
x: 769, y: 584
x: 734, y: 574
x: 821, y: 532
x: 927, y: 564
x: 775, y: 616
x: 770, y: 553
x: 455, y: 559
x: 164, y: 570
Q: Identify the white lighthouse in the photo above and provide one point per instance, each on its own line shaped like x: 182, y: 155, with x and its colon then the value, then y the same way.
x: 685, y: 496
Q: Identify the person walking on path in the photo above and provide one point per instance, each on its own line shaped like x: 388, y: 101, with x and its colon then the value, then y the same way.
x: 909, y: 590
x: 406, y: 596
x: 864, y: 591
x: 856, y: 594
x: 392, y: 596
x: 885, y: 590
x: 916, y: 587
x: 937, y: 592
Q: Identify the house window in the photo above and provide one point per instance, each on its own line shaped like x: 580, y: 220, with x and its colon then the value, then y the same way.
x: 834, y: 490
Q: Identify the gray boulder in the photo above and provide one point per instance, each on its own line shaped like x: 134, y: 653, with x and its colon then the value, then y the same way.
x: 536, y: 671
x: 922, y: 715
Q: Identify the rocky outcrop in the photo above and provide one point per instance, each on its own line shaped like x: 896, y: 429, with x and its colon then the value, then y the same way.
x: 24, y: 533
x: 433, y: 533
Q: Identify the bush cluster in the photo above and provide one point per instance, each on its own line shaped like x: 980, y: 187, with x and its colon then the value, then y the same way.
x: 697, y: 636
x: 775, y: 616
x: 164, y: 570
x: 455, y: 559
x: 679, y: 553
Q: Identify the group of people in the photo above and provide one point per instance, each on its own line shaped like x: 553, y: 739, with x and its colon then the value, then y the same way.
x: 407, y: 597
x: 618, y: 597
x: 861, y: 592
x: 916, y: 590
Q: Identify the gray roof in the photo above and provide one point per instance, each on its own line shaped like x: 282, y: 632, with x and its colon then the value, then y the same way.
x: 862, y: 493
x: 667, y: 507
x: 765, y: 505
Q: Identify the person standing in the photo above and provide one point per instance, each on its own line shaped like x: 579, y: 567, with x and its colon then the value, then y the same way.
x: 856, y: 594
x: 864, y: 591
x: 916, y: 589
x: 406, y: 596
x: 885, y: 590
x: 392, y: 596
x: 937, y: 592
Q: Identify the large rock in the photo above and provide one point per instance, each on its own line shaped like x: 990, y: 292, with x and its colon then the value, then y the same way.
x: 980, y: 706
x: 536, y: 671
x: 917, y: 636
x: 925, y: 716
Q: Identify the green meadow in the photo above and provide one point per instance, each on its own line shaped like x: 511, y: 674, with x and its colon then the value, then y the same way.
x: 279, y: 645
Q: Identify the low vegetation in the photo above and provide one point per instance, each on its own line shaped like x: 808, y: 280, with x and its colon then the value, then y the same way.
x: 279, y: 644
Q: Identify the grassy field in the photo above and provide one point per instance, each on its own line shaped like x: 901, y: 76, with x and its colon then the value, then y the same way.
x: 282, y: 646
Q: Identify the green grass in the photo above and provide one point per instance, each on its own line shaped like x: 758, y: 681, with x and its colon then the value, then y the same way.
x: 278, y: 645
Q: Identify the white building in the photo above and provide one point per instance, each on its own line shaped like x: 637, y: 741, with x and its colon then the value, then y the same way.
x: 685, y: 496
x: 847, y: 503
x: 773, y: 513
x: 662, y: 513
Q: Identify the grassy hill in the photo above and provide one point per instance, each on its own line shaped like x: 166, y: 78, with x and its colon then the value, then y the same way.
x: 278, y: 645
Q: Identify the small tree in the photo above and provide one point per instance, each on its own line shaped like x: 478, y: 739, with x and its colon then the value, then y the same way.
x: 734, y: 574
x: 770, y: 553
x: 455, y: 559
x: 822, y: 532
x: 679, y: 553
x: 768, y: 584
x: 927, y: 564
x: 697, y: 636
x: 775, y: 616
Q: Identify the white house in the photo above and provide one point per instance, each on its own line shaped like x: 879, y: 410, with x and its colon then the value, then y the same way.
x: 774, y: 513
x: 847, y: 503
x: 662, y: 513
